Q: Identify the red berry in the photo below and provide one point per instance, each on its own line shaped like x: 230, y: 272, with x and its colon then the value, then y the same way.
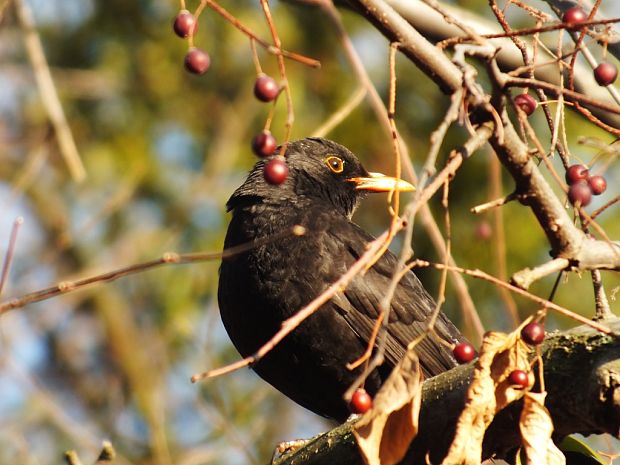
x: 464, y: 352
x: 266, y: 88
x: 597, y: 184
x: 605, y: 74
x: 185, y: 24
x: 574, y: 15
x: 484, y: 231
x: 533, y: 333
x: 527, y: 103
x: 580, y: 193
x: 275, y: 171
x: 197, y: 61
x: 264, y: 144
x: 576, y: 173
x: 519, y: 378
x: 361, y: 401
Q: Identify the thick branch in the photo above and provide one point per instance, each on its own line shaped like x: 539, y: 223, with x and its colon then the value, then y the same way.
x: 425, y: 55
x: 434, y: 27
x: 567, y: 241
x: 582, y: 377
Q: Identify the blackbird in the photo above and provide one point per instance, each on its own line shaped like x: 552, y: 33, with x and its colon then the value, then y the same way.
x: 263, y: 286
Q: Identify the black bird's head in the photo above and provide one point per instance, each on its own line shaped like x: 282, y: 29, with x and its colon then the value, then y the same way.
x: 321, y: 171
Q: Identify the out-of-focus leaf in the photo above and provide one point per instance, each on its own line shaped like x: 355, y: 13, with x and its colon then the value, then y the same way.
x: 573, y: 444
x: 384, y: 433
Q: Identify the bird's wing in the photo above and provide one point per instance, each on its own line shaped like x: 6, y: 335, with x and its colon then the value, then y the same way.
x: 411, y: 305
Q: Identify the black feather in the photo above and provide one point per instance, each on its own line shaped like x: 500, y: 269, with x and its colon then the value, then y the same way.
x: 260, y: 288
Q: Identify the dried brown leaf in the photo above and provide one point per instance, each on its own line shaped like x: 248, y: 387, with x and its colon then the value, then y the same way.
x: 384, y: 433
x: 489, y: 392
x: 536, y: 429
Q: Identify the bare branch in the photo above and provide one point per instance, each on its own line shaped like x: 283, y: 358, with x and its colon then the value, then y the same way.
x: 49, y: 96
x: 526, y: 277
x: 588, y: 407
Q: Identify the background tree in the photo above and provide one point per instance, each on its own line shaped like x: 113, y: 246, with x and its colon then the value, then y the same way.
x: 155, y: 154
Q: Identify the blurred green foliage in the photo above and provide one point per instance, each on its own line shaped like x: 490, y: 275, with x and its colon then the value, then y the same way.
x: 163, y: 150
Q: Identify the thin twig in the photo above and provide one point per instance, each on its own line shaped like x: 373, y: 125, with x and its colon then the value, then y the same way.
x: 395, y: 224
x: 467, y: 306
x: 293, y: 322
x: 47, y: 89
x: 600, y: 298
x: 274, y: 50
x: 371, y: 344
x: 557, y: 90
x: 376, y: 103
x: 167, y: 258
x: 8, y: 257
x: 410, y: 211
x: 524, y: 278
x: 494, y: 203
x: 72, y: 458
x: 290, y: 114
x: 107, y: 454
x: 343, y: 112
x: 530, y: 31
x: 600, y: 210
x: 441, y: 294
x: 495, y: 175
x: 539, y: 300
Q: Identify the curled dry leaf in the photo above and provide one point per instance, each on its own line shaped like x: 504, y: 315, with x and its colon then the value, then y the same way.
x: 536, y: 428
x: 384, y: 433
x: 489, y: 392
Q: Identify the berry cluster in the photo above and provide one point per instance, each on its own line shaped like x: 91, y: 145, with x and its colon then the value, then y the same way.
x: 532, y: 334
x: 196, y: 61
x: 605, y: 73
x: 266, y: 89
x: 582, y: 185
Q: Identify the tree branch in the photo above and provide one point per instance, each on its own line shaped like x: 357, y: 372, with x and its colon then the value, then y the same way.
x: 566, y: 240
x: 434, y: 27
x: 590, y: 406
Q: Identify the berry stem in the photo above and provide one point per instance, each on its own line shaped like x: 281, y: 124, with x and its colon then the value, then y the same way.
x: 267, y: 126
x: 602, y: 304
x: 248, y: 32
x: 574, y: 97
x: 197, y: 14
x: 259, y: 69
x: 600, y: 210
x: 282, y: 67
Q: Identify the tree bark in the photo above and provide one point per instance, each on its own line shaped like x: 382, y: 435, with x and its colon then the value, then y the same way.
x: 582, y: 378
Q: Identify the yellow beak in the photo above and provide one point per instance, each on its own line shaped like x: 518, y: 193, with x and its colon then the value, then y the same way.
x: 377, y: 182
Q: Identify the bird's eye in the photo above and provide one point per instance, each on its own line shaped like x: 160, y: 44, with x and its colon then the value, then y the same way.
x: 335, y: 164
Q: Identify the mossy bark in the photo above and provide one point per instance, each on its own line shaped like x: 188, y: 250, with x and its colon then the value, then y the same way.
x: 582, y: 378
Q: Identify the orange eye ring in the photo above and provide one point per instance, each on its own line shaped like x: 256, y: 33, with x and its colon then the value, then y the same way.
x: 335, y: 164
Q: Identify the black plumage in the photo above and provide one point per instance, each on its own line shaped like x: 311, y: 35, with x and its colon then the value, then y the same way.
x: 260, y: 288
